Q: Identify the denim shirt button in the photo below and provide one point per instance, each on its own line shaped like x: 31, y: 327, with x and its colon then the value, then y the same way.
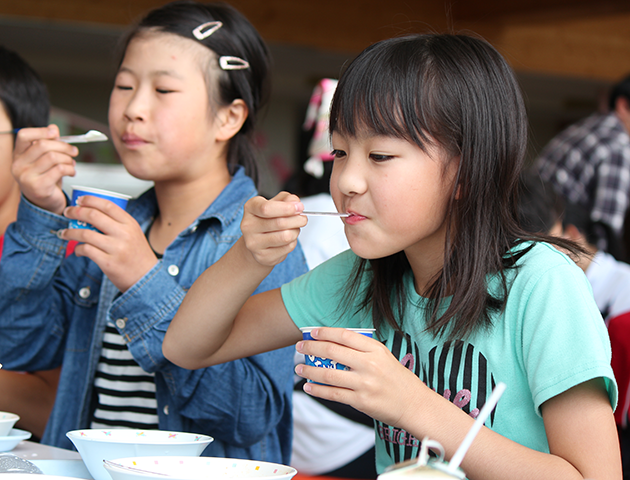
x: 165, y: 409
x: 84, y: 292
x: 193, y: 229
x: 121, y: 322
x: 173, y: 270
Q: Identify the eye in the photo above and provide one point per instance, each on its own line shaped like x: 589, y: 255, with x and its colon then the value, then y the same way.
x: 123, y: 87
x: 338, y: 153
x: 163, y: 90
x: 379, y: 157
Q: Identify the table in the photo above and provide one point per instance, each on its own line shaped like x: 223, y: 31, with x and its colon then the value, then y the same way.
x: 37, y: 451
x: 53, y: 460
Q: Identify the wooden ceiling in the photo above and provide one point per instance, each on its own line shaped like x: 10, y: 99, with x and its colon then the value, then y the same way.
x: 580, y: 38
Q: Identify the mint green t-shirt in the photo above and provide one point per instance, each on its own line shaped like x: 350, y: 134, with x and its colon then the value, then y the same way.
x: 549, y: 338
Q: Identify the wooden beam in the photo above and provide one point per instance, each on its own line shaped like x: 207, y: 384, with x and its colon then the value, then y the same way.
x: 562, y: 37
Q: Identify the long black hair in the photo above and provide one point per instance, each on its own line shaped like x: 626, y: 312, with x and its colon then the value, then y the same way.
x: 457, y: 93
x: 237, y: 38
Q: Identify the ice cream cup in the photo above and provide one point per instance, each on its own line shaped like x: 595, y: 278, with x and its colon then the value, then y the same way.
x: 322, y: 362
x: 119, y: 199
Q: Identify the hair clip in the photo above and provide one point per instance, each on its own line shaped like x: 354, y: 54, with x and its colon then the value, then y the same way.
x: 212, y: 27
x: 233, y: 63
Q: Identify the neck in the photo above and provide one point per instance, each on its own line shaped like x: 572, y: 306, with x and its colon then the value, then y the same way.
x: 9, y: 207
x: 180, y: 204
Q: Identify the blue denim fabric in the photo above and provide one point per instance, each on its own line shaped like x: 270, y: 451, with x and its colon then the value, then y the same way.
x: 53, y: 311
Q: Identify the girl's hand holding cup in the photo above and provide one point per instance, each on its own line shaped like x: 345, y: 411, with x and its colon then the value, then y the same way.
x: 118, y: 245
x: 271, y: 227
x: 376, y: 383
x: 40, y: 162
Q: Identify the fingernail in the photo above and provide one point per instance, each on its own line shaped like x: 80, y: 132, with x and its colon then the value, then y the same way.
x: 298, y: 369
x: 299, y: 206
x: 299, y: 346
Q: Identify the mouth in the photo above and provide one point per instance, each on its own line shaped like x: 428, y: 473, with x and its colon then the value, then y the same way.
x: 132, y: 140
x: 353, y: 218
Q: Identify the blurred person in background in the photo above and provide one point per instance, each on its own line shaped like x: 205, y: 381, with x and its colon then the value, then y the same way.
x: 589, y: 164
x: 541, y: 210
x: 23, y: 103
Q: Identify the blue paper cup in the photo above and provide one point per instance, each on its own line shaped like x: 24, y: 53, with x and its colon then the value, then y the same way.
x: 322, y: 362
x: 119, y: 199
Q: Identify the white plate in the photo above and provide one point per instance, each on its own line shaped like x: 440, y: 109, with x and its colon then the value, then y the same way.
x: 15, y: 436
x: 198, y: 468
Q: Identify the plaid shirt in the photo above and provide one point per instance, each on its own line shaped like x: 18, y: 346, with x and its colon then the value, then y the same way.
x: 589, y: 164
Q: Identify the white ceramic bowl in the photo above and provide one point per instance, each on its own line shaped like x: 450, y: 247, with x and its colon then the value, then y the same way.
x: 7, y: 421
x: 198, y: 468
x: 94, y: 446
x: 10, y: 441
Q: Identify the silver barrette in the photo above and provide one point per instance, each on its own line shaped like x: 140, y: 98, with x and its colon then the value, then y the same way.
x: 210, y: 27
x: 233, y: 63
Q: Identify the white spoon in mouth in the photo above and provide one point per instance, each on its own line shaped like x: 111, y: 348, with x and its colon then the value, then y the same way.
x: 325, y: 214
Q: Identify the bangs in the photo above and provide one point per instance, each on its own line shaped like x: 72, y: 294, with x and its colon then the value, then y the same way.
x: 376, y: 96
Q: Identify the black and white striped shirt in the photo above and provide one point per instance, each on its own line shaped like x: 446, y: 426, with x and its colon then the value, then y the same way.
x: 124, y: 394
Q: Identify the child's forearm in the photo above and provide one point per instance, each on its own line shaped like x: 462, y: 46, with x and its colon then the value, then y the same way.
x: 205, y: 317
x: 492, y: 456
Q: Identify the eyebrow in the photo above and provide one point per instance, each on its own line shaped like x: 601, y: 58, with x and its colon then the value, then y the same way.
x: 155, y: 73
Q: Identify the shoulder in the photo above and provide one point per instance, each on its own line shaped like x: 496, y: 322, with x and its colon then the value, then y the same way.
x: 544, y: 271
x: 540, y: 257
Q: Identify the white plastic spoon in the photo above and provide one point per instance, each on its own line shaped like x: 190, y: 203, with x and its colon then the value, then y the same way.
x: 90, y: 136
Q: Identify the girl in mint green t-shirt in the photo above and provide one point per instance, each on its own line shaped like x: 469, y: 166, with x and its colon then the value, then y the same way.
x: 429, y: 136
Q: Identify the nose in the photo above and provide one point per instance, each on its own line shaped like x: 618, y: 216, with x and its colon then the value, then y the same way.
x: 348, y: 176
x: 137, y: 106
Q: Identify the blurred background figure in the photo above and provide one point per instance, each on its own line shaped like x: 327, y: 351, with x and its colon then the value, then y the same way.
x: 329, y: 438
x: 541, y: 210
x: 23, y: 103
x: 589, y: 165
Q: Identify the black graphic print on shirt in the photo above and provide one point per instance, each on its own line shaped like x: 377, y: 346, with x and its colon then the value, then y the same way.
x: 455, y: 370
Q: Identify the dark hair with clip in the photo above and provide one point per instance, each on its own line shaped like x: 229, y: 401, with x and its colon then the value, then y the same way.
x: 237, y: 37
x: 457, y: 93
x: 22, y: 92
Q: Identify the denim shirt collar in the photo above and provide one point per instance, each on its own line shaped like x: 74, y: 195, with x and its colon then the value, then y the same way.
x: 225, y: 208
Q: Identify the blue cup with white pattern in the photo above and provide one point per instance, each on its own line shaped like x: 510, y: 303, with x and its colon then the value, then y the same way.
x: 315, y: 361
x: 119, y: 199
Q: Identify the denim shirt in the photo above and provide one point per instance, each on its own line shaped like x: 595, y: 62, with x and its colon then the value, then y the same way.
x: 53, y: 311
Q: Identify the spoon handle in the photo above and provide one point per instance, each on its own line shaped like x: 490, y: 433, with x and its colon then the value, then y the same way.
x: 325, y: 214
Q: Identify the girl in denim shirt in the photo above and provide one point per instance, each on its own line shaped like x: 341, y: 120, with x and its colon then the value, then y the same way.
x: 191, y: 80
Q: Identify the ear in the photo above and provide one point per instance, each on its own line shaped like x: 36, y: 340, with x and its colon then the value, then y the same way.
x: 571, y: 232
x: 231, y: 119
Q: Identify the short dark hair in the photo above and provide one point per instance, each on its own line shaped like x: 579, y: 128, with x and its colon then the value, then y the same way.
x: 237, y: 37
x: 621, y: 89
x: 22, y: 92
